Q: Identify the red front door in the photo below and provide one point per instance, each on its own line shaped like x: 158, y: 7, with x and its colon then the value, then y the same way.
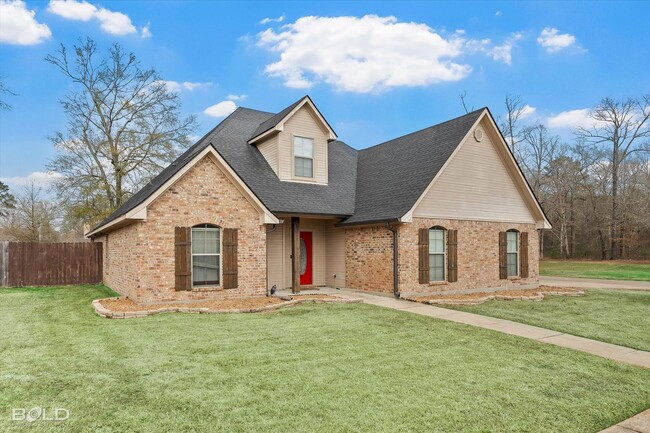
x: 305, y: 259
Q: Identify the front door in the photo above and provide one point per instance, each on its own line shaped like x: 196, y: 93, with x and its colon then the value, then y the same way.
x: 306, y: 259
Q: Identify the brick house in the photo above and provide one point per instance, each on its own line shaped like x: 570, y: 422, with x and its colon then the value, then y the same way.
x: 444, y: 208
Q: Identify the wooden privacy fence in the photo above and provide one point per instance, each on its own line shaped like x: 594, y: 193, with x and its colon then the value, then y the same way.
x: 45, y: 264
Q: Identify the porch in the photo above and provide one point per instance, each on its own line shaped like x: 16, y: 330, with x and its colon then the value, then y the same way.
x: 320, y: 253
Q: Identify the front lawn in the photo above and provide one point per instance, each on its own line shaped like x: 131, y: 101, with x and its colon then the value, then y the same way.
x: 613, y: 270
x: 618, y: 317
x: 350, y: 367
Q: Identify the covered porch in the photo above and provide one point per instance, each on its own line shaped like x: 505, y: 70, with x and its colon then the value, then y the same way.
x: 319, y: 258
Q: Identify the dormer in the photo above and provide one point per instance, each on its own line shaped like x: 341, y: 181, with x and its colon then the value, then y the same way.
x: 294, y: 143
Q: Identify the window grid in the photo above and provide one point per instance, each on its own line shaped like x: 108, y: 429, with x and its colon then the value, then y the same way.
x: 513, y: 253
x: 437, y: 255
x: 303, y: 152
x: 206, y: 256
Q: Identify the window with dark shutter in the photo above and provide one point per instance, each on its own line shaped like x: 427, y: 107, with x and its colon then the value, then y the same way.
x: 452, y: 256
x: 230, y: 280
x: 523, y: 253
x: 423, y: 253
x: 183, y: 258
x: 503, y: 255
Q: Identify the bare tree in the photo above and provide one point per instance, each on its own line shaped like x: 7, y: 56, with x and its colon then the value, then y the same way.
x: 462, y: 97
x: 4, y: 90
x: 510, y: 125
x: 621, y: 128
x: 124, y: 126
x: 33, y: 219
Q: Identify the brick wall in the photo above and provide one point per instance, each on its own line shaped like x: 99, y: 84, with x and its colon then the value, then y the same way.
x: 478, y: 255
x: 141, y: 256
x: 369, y: 258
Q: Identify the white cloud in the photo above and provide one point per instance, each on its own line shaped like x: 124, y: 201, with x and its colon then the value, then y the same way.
x: 272, y: 20
x: 145, y: 31
x: 527, y: 111
x: 572, y: 119
x: 115, y: 23
x: 222, y: 109
x: 175, y: 86
x: 40, y: 178
x: 366, y: 54
x: 18, y: 26
x: 498, y: 13
x: 73, y: 10
x: 553, y: 41
x: 498, y: 53
x: 232, y: 97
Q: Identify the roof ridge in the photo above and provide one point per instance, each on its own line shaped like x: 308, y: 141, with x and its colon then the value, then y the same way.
x: 423, y: 129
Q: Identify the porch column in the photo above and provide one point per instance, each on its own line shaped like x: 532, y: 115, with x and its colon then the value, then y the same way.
x: 295, y: 254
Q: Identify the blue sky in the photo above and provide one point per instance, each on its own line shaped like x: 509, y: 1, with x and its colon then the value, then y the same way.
x: 376, y: 70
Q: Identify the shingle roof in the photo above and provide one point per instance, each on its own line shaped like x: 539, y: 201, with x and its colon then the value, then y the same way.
x: 272, y: 121
x: 380, y: 183
x: 391, y: 176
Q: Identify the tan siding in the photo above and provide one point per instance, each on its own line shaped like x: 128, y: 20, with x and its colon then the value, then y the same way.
x: 335, y: 256
x: 270, y: 151
x: 319, y: 248
x: 304, y: 124
x: 475, y: 185
x: 275, y: 257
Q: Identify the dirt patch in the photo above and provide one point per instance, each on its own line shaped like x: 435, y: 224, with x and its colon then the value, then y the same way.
x: 126, y: 308
x: 501, y: 295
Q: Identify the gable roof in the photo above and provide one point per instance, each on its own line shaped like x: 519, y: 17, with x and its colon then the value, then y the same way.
x: 276, y: 121
x: 392, y: 176
x: 378, y: 184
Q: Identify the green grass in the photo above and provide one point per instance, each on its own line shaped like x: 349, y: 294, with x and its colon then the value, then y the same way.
x: 618, y: 317
x: 344, y: 367
x: 613, y: 270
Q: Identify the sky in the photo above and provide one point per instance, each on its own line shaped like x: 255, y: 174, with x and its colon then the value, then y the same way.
x: 376, y: 70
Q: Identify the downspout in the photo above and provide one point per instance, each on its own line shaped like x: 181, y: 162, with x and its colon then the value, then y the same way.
x: 395, y: 255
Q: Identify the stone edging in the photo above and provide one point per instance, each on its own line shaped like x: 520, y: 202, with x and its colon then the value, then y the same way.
x: 104, y: 312
x: 537, y: 296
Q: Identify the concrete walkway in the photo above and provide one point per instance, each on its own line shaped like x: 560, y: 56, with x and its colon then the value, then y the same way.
x: 611, y: 351
x: 639, y: 423
x: 589, y: 283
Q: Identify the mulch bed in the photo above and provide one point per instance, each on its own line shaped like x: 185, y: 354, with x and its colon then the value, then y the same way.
x: 501, y: 295
x: 120, y: 308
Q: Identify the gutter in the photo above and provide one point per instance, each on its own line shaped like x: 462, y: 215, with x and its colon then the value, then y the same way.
x: 395, y: 255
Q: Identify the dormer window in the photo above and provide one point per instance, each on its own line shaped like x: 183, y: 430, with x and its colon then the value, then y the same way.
x: 303, y: 154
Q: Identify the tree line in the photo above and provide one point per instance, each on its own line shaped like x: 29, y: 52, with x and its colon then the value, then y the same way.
x: 124, y: 125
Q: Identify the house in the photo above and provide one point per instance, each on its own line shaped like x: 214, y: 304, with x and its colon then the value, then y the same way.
x: 276, y: 200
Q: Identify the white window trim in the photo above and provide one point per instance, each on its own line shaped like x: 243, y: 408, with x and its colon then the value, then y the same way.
x: 516, y: 252
x: 444, y: 256
x: 293, y: 159
x: 220, y: 254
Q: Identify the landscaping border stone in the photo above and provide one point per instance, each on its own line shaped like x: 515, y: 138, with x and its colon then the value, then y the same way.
x: 287, y: 302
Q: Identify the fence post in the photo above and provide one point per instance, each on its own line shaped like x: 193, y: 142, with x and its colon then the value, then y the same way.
x: 4, y: 264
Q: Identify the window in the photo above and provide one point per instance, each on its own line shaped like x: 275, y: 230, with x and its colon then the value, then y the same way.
x: 303, y: 153
x: 513, y: 253
x: 437, y: 254
x: 206, y: 255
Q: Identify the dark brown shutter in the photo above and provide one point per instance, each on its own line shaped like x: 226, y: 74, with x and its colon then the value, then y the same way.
x: 452, y: 256
x: 230, y: 259
x: 183, y: 258
x: 423, y: 251
x: 523, y: 254
x: 503, y: 255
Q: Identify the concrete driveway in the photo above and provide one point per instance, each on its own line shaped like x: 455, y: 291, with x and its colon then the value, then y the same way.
x: 588, y: 283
